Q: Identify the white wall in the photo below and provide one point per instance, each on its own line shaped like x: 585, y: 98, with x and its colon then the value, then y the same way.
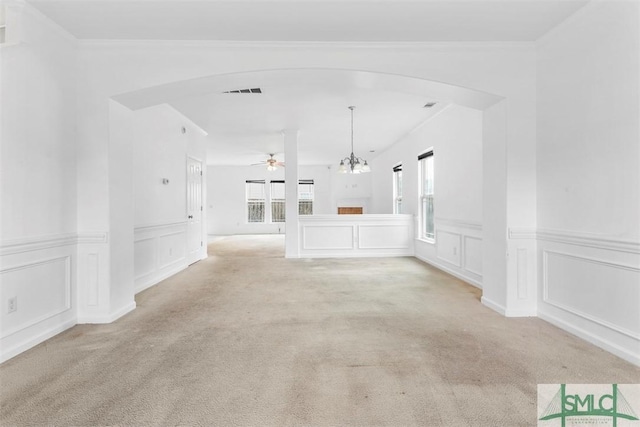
x: 455, y: 135
x: 351, y: 191
x: 588, y: 176
x: 37, y: 181
x: 160, y: 151
x: 226, y: 201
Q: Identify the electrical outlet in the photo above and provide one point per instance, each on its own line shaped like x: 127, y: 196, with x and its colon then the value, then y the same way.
x: 12, y: 305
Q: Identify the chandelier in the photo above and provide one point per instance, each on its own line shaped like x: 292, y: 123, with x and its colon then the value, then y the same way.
x: 352, y: 163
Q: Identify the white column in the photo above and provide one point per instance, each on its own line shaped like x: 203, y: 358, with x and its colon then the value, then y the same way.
x: 292, y: 241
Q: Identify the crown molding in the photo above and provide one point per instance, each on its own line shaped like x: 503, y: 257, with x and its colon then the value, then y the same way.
x: 259, y: 44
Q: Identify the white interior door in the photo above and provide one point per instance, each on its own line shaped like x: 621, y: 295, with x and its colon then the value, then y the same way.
x: 195, y: 242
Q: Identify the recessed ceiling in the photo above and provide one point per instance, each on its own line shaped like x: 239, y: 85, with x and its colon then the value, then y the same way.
x: 309, y: 20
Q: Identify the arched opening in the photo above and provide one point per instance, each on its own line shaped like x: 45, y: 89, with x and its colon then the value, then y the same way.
x: 328, y: 93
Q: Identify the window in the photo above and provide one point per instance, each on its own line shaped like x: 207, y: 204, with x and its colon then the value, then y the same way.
x: 255, y: 201
x: 278, y: 206
x: 305, y: 197
x: 397, y: 189
x: 425, y: 163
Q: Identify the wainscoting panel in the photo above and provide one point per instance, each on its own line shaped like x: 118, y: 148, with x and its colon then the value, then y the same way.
x: 522, y: 276
x: 472, y: 260
x: 172, y: 249
x: 159, y: 252
x: 589, y: 285
x: 329, y: 237
x: 448, y: 247
x: 457, y: 249
x: 93, y: 278
x: 324, y: 236
x: 603, y: 292
x: 384, y: 236
x: 37, y: 291
x: 43, y: 286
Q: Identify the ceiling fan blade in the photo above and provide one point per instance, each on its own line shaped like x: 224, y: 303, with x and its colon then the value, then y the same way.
x: 280, y: 164
x: 257, y: 164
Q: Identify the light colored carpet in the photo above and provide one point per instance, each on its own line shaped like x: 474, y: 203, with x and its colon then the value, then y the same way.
x: 248, y: 338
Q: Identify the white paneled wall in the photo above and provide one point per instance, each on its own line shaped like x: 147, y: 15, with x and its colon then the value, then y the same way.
x: 160, y: 251
x: 591, y: 287
x: 588, y: 176
x: 37, y: 277
x: 457, y: 249
x: 331, y: 236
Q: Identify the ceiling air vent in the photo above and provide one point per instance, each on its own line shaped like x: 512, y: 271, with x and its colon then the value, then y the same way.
x: 429, y: 104
x: 254, y: 90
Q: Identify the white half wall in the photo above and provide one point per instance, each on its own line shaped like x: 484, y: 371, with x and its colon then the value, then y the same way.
x: 353, y: 236
x: 588, y: 176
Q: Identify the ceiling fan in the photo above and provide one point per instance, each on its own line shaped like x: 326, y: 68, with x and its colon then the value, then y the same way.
x: 271, y: 162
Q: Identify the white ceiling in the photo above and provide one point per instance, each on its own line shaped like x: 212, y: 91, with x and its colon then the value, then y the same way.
x: 310, y: 20
x: 243, y: 128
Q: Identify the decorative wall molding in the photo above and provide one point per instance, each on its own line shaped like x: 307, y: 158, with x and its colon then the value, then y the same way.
x: 66, y: 259
x: 158, y: 226
x: 590, y: 240
x: 242, y: 44
x: 458, y: 223
x: 355, y: 236
x: 521, y: 272
x: 465, y: 255
x: 93, y: 237
x: 470, y: 280
x: 522, y: 233
x: 30, y: 244
x: 364, y: 231
x: 453, y: 259
x: 576, y: 238
x: 576, y: 311
x: 159, y: 252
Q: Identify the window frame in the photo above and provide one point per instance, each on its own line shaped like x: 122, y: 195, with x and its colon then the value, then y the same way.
x: 427, y: 196
x: 302, y: 201
x: 397, y: 189
x: 248, y: 200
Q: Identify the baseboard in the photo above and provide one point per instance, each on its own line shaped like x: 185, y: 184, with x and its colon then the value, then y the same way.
x: 154, y: 280
x: 521, y: 312
x: 108, y: 318
x: 626, y: 354
x: 493, y: 305
x: 458, y: 275
x: 32, y: 342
